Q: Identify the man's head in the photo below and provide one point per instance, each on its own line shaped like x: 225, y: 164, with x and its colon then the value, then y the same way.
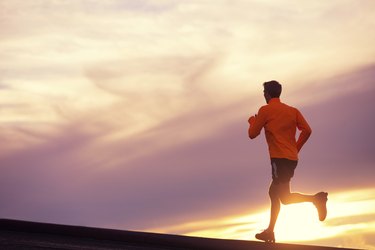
x: 272, y: 89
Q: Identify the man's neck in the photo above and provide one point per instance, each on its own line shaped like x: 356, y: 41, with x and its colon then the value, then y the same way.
x: 274, y: 100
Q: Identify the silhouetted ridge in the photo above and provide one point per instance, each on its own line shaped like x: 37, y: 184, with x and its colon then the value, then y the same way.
x: 15, y: 234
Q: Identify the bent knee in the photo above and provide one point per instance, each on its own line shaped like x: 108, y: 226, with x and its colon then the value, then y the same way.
x: 285, y: 199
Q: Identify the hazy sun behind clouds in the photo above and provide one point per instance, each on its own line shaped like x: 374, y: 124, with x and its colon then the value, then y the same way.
x: 351, y: 214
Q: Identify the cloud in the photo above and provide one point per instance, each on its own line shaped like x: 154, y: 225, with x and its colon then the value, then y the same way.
x: 341, y: 142
x: 169, y: 74
x: 115, y: 112
x: 174, y: 55
x: 79, y: 177
x: 3, y: 86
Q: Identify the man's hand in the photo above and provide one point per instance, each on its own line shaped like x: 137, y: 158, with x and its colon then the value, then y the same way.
x: 252, y: 120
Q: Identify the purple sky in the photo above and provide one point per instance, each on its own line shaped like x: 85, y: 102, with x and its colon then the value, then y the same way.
x: 211, y: 176
x: 133, y: 114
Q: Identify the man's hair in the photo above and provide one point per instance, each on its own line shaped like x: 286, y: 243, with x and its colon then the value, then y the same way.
x: 273, y: 88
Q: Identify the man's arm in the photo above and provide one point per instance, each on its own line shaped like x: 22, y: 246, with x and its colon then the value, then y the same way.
x: 305, y: 130
x: 256, y: 124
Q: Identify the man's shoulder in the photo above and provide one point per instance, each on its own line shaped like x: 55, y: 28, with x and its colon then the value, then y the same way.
x: 264, y: 108
x: 277, y: 107
x: 290, y: 107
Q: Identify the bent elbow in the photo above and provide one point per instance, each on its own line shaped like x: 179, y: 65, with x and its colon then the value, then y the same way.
x: 252, y: 135
x: 309, y: 131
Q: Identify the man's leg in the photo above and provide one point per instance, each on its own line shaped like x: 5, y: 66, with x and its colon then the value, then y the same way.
x: 282, y: 172
x: 280, y: 191
x: 268, y: 235
x: 286, y: 197
x: 275, y: 205
x: 319, y: 199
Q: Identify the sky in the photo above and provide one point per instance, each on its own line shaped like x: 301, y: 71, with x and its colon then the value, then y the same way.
x: 133, y: 114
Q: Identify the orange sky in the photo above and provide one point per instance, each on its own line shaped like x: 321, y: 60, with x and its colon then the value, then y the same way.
x: 133, y: 114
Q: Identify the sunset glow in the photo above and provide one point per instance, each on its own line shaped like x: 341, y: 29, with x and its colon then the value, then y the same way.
x: 133, y: 114
x: 351, y: 214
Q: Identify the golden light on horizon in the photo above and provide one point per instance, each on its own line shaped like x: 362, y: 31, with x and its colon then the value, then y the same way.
x: 348, y: 215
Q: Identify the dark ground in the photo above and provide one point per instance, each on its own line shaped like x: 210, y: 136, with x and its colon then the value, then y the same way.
x: 35, y: 236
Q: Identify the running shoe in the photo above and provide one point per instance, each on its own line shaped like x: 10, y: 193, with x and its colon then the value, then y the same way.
x: 320, y: 202
x: 266, y: 236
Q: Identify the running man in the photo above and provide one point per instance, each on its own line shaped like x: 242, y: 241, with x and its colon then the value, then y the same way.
x: 280, y: 123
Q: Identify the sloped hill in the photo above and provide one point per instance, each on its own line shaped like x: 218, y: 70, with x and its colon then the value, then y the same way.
x: 16, y: 234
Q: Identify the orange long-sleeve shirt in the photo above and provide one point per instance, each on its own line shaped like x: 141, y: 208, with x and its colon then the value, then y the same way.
x: 280, y: 122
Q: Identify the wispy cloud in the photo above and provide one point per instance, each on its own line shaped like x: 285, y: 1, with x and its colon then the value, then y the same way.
x: 98, y: 99
x: 135, y: 180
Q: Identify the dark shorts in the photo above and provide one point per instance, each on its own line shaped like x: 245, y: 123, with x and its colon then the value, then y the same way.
x: 282, y: 169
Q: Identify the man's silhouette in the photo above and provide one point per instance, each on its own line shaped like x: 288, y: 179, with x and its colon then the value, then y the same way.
x: 280, y: 123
